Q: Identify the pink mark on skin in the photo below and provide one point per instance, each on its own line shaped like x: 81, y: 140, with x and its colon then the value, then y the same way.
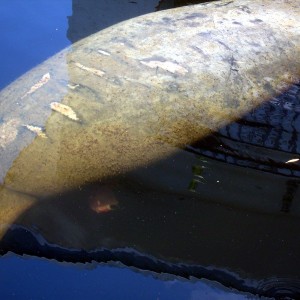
x: 102, y: 200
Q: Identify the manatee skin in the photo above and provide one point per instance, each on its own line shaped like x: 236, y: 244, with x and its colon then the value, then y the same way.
x: 140, y: 90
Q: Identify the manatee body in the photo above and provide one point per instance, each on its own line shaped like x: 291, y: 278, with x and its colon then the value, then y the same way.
x: 136, y: 92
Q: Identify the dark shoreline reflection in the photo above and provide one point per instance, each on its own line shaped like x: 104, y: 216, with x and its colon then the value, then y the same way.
x: 90, y: 16
x: 267, y: 138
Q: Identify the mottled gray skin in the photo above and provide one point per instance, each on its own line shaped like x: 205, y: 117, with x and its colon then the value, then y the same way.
x: 141, y: 89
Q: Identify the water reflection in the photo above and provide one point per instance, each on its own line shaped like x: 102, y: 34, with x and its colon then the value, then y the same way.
x: 267, y: 138
x: 166, y: 4
x: 160, y: 225
x: 90, y: 16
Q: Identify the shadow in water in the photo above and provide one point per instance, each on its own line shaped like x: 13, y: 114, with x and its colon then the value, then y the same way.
x: 223, y: 216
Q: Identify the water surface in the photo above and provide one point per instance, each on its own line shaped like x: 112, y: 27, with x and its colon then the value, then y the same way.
x: 224, y: 209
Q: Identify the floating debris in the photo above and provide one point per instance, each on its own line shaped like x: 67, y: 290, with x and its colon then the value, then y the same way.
x: 91, y: 70
x: 292, y: 160
x: 37, y: 130
x: 102, y: 200
x: 38, y: 85
x: 166, y: 65
x: 64, y: 110
x: 103, y: 52
x: 8, y: 132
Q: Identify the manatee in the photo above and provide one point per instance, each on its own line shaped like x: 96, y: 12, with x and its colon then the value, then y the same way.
x: 139, y: 91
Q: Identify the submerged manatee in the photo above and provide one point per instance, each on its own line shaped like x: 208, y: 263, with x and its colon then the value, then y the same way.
x: 135, y: 92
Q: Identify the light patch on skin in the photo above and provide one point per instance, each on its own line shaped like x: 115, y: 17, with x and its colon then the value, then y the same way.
x: 73, y: 86
x: 8, y: 132
x: 291, y: 106
x: 103, y: 52
x: 96, y: 72
x: 46, y: 77
x: 37, y: 130
x: 165, y: 65
x: 292, y: 160
x: 65, y: 110
x: 269, y: 79
x: 102, y: 200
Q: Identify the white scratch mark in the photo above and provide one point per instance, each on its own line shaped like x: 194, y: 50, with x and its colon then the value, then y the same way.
x: 72, y: 86
x: 38, y: 85
x: 37, y: 130
x: 292, y: 160
x: 103, y: 52
x: 90, y: 70
x: 166, y: 65
x: 65, y: 110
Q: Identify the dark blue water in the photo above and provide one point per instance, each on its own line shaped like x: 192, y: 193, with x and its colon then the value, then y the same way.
x: 36, y: 278
x: 32, y: 31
